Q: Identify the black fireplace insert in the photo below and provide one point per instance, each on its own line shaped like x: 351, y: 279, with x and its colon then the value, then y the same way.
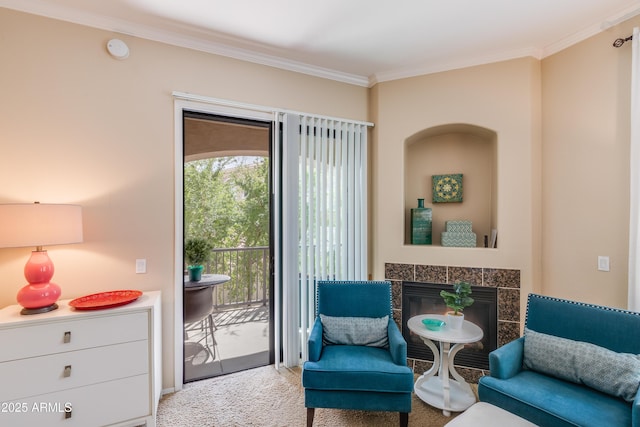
x: 424, y: 298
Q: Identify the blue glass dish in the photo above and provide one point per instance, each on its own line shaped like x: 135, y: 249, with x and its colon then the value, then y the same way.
x: 433, y: 324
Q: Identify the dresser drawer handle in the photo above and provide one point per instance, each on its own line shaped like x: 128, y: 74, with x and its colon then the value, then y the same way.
x: 67, y: 371
x: 67, y: 337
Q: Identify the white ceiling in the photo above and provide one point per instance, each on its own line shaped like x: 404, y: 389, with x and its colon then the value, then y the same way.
x: 355, y: 41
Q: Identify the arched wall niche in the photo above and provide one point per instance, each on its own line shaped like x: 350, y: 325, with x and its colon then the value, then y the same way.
x: 451, y: 149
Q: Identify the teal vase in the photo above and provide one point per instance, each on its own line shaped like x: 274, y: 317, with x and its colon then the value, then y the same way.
x: 421, y: 220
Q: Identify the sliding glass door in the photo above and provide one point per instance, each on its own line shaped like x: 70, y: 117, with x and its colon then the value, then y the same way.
x: 228, y: 311
x: 317, y: 204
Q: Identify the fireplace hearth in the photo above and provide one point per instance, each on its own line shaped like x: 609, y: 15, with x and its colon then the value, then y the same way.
x: 424, y: 298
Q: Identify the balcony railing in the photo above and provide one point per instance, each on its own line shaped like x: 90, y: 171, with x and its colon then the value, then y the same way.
x: 249, y: 271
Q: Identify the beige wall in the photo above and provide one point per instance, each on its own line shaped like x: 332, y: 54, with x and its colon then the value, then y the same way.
x: 77, y: 126
x: 501, y: 97
x: 585, y: 168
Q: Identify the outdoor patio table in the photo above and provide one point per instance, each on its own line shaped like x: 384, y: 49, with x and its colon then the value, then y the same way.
x: 207, y: 280
x: 198, y: 299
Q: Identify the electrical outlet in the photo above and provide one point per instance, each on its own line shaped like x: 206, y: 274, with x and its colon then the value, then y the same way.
x: 603, y: 263
x: 141, y: 266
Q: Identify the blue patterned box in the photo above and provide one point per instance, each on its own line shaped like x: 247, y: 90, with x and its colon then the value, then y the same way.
x: 459, y: 226
x: 461, y: 240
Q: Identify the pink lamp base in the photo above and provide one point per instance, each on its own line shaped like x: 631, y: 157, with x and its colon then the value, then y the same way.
x: 40, y: 295
x: 38, y: 298
x: 27, y: 311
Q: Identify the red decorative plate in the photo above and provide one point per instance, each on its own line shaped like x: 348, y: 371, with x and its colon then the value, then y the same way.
x: 105, y: 300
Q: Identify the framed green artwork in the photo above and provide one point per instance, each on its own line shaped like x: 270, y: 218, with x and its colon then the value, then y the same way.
x: 447, y: 188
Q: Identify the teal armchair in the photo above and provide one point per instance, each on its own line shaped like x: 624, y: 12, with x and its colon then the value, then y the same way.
x: 357, y: 355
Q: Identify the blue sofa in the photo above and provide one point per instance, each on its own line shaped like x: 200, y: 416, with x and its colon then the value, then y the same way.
x: 576, y: 365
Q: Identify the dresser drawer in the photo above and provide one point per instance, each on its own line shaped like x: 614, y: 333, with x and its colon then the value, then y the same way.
x: 69, y: 335
x: 47, y: 374
x: 120, y: 401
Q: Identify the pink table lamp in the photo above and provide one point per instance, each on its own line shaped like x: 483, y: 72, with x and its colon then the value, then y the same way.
x: 39, y: 225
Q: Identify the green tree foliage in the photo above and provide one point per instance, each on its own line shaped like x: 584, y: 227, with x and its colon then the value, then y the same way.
x: 252, y: 180
x: 226, y: 201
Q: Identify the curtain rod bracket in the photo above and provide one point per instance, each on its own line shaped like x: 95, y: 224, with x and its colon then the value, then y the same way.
x: 620, y: 42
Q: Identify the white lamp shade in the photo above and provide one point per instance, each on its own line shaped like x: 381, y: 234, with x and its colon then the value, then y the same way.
x: 36, y: 224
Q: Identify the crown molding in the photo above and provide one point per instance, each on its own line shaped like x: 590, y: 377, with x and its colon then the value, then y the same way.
x: 196, y: 43
x: 453, y: 65
x: 591, y: 31
x: 538, y: 53
x: 38, y: 7
x: 102, y: 22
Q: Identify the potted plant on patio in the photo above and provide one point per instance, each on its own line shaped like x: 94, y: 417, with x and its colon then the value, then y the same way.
x: 457, y: 301
x: 196, y: 252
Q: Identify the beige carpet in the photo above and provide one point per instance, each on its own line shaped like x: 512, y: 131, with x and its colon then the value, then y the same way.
x: 269, y: 397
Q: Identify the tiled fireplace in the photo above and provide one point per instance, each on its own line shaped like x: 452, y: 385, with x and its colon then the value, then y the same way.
x: 506, y: 281
x: 420, y: 298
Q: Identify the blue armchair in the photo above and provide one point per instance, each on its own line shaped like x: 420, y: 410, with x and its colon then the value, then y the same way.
x: 357, y: 355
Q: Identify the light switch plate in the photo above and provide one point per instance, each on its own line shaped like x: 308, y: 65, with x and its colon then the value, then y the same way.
x: 603, y: 263
x: 141, y: 266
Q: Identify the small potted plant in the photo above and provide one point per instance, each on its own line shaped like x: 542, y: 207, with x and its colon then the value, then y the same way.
x: 457, y: 301
x: 196, y: 252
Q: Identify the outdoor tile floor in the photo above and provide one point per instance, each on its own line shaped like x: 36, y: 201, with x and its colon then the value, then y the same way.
x: 241, y: 342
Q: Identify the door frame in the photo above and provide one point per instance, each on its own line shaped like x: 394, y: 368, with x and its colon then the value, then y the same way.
x: 205, y: 105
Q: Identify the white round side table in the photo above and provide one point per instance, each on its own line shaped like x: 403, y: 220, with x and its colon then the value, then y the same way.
x: 448, y: 394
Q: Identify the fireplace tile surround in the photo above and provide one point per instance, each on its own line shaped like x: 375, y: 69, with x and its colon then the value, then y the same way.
x: 507, y: 282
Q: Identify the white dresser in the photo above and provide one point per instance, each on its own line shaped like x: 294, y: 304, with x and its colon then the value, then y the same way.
x: 81, y: 368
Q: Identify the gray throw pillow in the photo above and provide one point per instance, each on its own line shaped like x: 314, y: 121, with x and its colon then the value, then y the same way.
x: 368, y: 331
x: 617, y: 374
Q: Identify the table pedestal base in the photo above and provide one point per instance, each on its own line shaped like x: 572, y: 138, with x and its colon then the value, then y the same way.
x: 439, y: 390
x: 430, y: 390
x: 442, y: 386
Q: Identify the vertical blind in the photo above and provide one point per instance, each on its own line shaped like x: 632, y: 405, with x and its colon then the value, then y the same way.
x: 330, y: 216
